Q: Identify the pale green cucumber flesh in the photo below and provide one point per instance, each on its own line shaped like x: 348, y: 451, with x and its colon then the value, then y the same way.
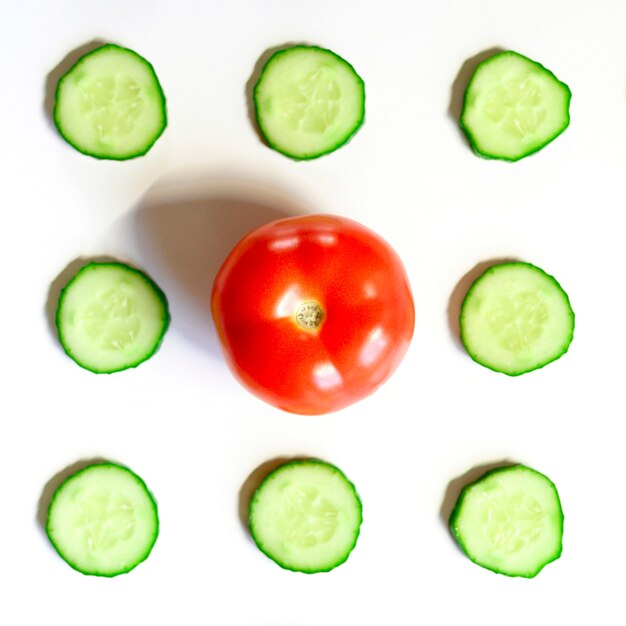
x: 306, y: 516
x: 510, y: 521
x: 110, y: 104
x: 516, y: 318
x: 308, y: 102
x: 102, y: 520
x: 111, y: 317
x: 513, y: 107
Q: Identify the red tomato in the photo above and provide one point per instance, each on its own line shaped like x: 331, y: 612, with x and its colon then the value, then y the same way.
x: 314, y: 313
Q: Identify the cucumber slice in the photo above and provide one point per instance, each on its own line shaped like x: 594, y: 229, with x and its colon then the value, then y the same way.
x: 510, y: 521
x: 110, y: 104
x: 516, y: 318
x: 306, y: 516
x: 309, y: 102
x: 111, y: 317
x: 513, y: 107
x: 102, y: 520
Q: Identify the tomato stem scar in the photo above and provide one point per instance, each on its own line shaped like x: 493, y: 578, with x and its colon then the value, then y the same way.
x: 309, y: 315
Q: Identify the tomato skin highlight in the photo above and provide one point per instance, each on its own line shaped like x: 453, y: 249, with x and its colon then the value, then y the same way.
x: 361, y: 286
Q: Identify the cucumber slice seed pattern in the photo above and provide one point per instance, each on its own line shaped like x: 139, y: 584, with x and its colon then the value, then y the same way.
x: 510, y: 521
x: 113, y: 104
x: 308, y: 102
x: 111, y: 317
x: 306, y: 516
x: 102, y: 520
x: 311, y: 105
x: 110, y: 104
x: 516, y: 318
x: 513, y: 107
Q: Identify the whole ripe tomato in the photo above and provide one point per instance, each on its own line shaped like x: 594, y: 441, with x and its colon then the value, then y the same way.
x: 314, y: 313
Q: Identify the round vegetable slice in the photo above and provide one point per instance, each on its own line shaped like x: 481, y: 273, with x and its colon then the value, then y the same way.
x: 516, y: 318
x: 510, y: 521
x: 306, y: 516
x: 513, y: 107
x: 110, y: 104
x: 309, y: 101
x: 111, y: 317
x: 102, y: 520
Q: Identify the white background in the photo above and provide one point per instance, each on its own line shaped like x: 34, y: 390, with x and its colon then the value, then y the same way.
x: 181, y: 420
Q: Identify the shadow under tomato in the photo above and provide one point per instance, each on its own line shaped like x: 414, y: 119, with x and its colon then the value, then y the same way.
x: 55, y: 482
x: 185, y: 242
x: 460, y: 291
x: 455, y: 486
x: 251, y: 484
x: 53, y: 77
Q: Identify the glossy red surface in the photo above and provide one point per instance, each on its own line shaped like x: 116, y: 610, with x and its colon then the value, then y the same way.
x: 359, y: 282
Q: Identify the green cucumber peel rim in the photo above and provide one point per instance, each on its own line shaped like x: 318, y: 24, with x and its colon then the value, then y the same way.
x: 516, y: 318
x: 103, y: 520
x: 306, y: 516
x: 513, y: 107
x: 110, y: 104
x: 314, y: 108
x: 115, y: 326
x: 509, y: 521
